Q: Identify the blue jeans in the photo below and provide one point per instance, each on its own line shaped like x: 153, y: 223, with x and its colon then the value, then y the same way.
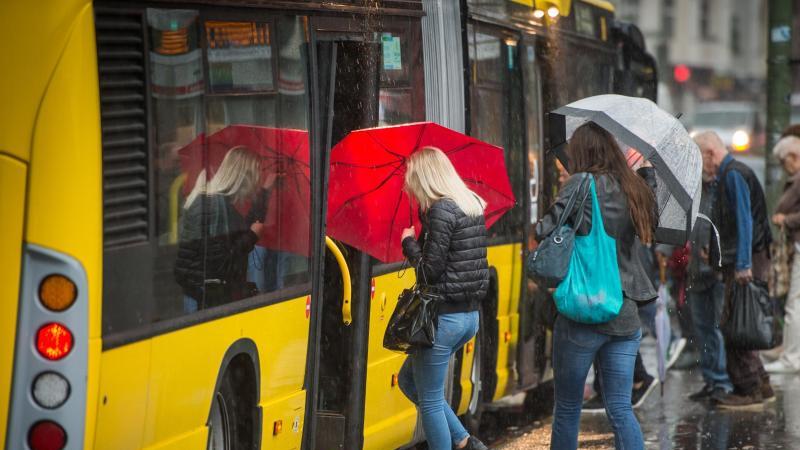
x: 706, y: 309
x: 574, y: 349
x: 422, y: 380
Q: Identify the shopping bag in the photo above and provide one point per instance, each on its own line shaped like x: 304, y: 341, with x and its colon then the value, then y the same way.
x: 414, y: 320
x: 591, y: 292
x: 751, y: 320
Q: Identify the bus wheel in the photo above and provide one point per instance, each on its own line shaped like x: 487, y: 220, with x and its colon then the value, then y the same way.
x: 232, y: 422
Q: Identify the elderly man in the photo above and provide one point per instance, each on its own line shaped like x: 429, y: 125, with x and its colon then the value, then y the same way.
x: 740, y: 213
x: 787, y: 216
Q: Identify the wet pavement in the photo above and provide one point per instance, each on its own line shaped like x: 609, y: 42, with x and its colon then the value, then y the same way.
x: 675, y: 422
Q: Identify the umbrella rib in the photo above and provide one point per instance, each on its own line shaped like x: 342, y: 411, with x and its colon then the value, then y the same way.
x: 385, y: 148
x: 394, y: 215
x: 359, y: 166
x: 364, y: 194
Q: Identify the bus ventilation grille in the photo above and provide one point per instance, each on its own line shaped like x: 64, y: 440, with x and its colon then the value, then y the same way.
x: 123, y: 102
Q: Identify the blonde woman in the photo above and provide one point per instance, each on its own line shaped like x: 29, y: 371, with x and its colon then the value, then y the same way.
x: 450, y: 257
x: 215, y: 238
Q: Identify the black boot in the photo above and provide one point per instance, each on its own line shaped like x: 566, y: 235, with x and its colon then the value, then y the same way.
x: 474, y: 444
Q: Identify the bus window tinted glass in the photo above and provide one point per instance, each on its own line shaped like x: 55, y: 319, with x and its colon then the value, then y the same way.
x: 231, y: 168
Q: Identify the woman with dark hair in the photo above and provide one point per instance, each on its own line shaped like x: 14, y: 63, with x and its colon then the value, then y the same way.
x: 627, y: 206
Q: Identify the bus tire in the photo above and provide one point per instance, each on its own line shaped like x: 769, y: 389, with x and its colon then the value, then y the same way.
x: 233, y: 417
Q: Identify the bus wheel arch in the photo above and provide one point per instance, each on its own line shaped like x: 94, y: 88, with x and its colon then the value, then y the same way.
x: 234, y: 418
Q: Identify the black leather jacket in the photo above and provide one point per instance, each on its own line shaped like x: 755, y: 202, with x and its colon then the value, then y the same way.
x: 451, y: 256
x: 636, y: 283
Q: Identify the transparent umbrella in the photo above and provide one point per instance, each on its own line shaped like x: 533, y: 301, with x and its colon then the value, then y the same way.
x: 639, y: 124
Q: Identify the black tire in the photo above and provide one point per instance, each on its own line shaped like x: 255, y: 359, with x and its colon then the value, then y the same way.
x: 232, y: 419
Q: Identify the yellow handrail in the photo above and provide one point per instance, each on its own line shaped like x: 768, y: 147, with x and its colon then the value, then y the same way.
x: 174, y: 207
x: 347, y: 313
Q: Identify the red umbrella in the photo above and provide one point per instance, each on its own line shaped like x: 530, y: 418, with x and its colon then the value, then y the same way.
x: 284, y: 152
x: 367, y: 206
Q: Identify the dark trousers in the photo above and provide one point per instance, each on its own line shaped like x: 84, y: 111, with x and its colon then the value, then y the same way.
x: 744, y: 366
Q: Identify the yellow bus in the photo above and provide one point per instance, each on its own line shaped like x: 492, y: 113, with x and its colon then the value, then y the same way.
x: 108, y: 107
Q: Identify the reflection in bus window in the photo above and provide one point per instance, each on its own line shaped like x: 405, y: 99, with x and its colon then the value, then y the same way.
x: 215, y: 238
x: 239, y: 56
x: 245, y: 128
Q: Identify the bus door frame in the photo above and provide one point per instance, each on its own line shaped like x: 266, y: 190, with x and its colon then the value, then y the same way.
x: 528, y: 357
x: 323, y: 428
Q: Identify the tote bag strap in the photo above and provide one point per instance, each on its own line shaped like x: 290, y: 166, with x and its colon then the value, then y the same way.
x: 598, y: 227
x: 570, y: 206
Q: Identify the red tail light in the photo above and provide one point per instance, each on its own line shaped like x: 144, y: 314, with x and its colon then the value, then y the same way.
x: 54, y: 341
x: 47, y: 435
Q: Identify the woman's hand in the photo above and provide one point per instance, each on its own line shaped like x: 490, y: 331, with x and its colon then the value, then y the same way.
x: 269, y: 181
x: 257, y: 228
x: 779, y: 219
x: 408, y: 232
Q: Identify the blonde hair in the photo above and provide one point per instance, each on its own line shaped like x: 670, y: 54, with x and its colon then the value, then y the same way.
x: 237, y: 176
x: 430, y: 176
x: 788, y: 145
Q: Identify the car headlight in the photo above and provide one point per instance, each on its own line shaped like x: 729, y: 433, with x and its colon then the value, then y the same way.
x: 740, y: 141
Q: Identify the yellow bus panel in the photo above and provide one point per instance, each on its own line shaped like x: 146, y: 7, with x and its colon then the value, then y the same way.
x: 504, y: 259
x: 33, y: 37
x: 389, y: 417
x: 12, y: 216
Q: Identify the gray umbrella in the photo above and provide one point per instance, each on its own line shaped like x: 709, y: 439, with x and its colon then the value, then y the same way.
x: 638, y: 123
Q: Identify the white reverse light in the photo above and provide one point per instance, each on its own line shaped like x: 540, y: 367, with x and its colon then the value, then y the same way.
x: 50, y: 390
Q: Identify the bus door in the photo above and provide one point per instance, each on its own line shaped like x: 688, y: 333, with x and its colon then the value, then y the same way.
x: 346, y: 98
x: 532, y: 350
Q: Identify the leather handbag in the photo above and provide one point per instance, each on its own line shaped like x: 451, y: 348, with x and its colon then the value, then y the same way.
x: 549, y: 263
x: 414, y: 320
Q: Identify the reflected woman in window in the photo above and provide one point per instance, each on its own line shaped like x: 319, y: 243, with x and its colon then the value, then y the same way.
x: 450, y: 257
x: 215, y: 237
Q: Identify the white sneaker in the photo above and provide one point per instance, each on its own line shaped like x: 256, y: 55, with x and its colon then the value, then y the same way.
x: 674, y: 351
x: 780, y: 367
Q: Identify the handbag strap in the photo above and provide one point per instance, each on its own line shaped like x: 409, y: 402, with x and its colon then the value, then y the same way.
x: 583, y: 203
x: 570, y: 206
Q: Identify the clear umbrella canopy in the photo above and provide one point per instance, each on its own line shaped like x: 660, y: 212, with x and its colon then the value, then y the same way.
x: 639, y: 124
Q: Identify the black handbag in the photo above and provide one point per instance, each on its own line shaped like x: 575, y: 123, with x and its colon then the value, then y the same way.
x: 549, y: 263
x: 414, y: 320
x: 751, y: 320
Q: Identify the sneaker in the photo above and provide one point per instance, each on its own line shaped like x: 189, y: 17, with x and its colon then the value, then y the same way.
x: 640, y: 394
x: 474, y: 444
x: 767, y: 394
x: 674, y: 351
x: 594, y: 405
x: 736, y: 401
x: 702, y: 394
x: 780, y: 367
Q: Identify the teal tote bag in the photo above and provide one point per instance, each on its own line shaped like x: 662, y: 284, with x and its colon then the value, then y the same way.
x: 591, y: 293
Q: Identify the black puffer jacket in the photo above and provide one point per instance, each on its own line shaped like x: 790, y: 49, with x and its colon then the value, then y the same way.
x: 212, y: 253
x: 451, y: 256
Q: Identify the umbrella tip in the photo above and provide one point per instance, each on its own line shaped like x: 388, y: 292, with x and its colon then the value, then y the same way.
x: 679, y: 115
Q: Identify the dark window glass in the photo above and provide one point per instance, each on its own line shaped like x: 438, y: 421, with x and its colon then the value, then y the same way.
x: 231, y: 168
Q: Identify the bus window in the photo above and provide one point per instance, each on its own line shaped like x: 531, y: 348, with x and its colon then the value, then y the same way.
x: 402, y: 88
x: 231, y: 174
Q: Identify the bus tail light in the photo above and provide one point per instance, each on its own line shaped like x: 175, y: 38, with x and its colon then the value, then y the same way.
x: 50, y: 390
x: 57, y: 292
x: 47, y: 435
x: 54, y: 341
